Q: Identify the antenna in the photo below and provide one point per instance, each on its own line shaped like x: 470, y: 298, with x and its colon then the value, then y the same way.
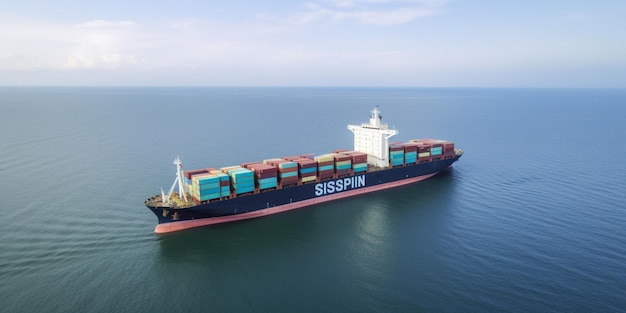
x: 178, y: 180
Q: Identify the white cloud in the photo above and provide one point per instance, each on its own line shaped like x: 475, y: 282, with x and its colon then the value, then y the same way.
x: 99, y: 44
x: 103, y: 23
x: 372, y: 12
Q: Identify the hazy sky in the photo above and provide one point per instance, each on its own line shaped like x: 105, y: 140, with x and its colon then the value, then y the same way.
x: 424, y: 43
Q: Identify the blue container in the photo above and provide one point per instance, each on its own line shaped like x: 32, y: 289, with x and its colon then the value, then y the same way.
x: 246, y: 179
x: 397, y: 162
x: 208, y: 191
x: 244, y: 190
x: 288, y: 165
x: 241, y: 173
x: 327, y: 167
x: 288, y: 174
x: 243, y: 185
x: 435, y: 151
x: 268, y: 185
x: 224, y: 189
x: 209, y: 197
x: 362, y: 167
x: 267, y: 180
x: 223, y: 177
x: 343, y: 167
x: 308, y: 170
x: 209, y: 186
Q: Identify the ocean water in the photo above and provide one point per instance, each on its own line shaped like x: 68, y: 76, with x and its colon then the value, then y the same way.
x: 531, y: 219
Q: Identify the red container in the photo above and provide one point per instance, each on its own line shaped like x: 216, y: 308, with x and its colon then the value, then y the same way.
x: 410, y: 147
x: 246, y: 165
x: 305, y: 163
x: 289, y: 181
x: 342, y: 157
x: 292, y: 158
x: 190, y: 173
x: 396, y: 147
x: 343, y: 172
x: 308, y: 156
x: 265, y: 175
x: 423, y: 147
x: 288, y: 170
x: 261, y: 168
x: 340, y: 151
x: 358, y: 157
x: 326, y: 174
x: 448, y: 149
x: 326, y: 163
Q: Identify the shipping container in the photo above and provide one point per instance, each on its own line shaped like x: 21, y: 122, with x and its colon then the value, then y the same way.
x: 410, y: 147
x: 309, y: 179
x: 190, y: 173
x: 360, y: 167
x: 308, y: 170
x: 326, y: 174
x: 267, y: 180
x: 341, y: 173
x: 325, y: 158
x: 329, y: 167
x: 288, y: 174
x: 289, y: 181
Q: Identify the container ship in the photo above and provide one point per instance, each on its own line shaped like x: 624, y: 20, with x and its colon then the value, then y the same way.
x: 211, y: 196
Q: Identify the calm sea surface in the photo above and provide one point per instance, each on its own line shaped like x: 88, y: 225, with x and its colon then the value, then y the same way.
x: 532, y: 218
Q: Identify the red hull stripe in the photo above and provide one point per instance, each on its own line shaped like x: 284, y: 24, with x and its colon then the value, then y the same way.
x: 176, y: 226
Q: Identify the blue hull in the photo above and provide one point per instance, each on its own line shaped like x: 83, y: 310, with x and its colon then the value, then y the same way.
x: 314, y: 192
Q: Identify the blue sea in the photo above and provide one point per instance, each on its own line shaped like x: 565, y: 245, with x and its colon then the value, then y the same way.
x: 532, y: 218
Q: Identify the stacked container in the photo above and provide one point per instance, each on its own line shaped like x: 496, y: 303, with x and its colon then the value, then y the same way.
x: 396, y: 154
x: 437, y: 150
x: 224, y: 182
x: 287, y: 171
x: 242, y: 180
x: 359, y: 161
x: 307, y: 169
x: 410, y: 153
x: 423, y: 152
x: 325, y: 165
x: 440, y: 148
x: 343, y: 164
x: 265, y: 175
x: 448, y: 150
x: 205, y: 187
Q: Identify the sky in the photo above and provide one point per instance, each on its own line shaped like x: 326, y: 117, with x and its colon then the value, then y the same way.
x: 378, y: 43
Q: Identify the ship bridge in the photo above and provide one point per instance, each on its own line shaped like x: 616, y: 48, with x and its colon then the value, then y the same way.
x: 373, y: 138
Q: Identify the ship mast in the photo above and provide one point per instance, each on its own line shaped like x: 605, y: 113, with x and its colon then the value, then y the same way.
x: 373, y: 139
x: 178, y: 181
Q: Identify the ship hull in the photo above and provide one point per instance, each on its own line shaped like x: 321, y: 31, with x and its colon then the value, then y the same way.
x: 290, y: 198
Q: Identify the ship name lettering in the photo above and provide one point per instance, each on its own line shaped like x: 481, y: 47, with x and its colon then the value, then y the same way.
x: 339, y: 185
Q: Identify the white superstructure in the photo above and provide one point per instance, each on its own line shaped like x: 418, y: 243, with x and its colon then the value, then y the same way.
x: 373, y: 139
